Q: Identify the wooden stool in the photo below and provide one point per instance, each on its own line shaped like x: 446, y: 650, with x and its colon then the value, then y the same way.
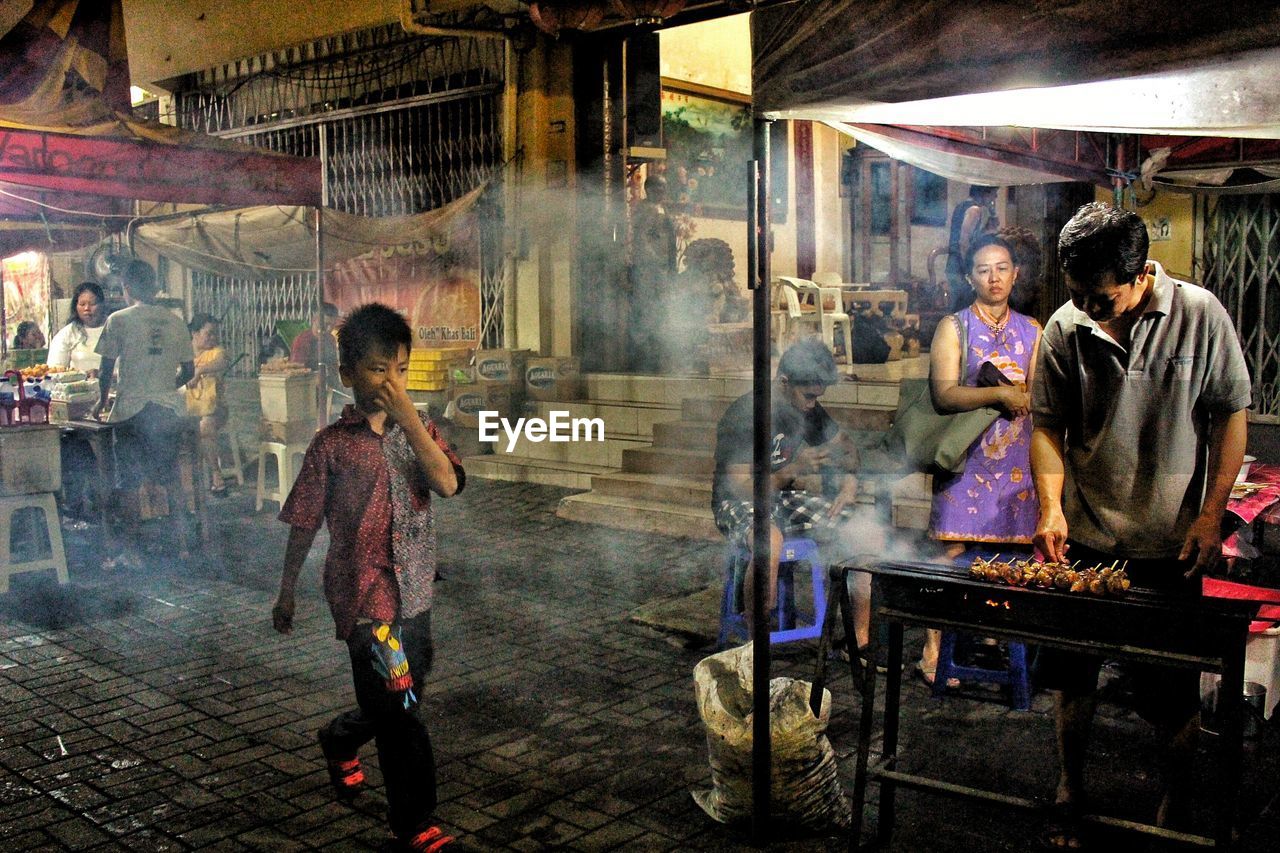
x: 286, y: 470
x: 57, y: 559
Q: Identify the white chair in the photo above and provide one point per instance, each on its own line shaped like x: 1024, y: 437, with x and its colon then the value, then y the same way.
x: 14, y: 560
x: 826, y: 278
x: 288, y: 464
x: 824, y: 319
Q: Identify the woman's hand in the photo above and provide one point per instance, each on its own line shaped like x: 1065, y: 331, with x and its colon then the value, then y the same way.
x: 1014, y: 399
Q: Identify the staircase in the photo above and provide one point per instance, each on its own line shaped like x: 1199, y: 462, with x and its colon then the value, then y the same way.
x: 666, y: 487
x: 653, y: 472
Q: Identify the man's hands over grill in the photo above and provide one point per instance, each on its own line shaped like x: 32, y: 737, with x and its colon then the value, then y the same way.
x: 1051, y: 534
x: 1204, y: 542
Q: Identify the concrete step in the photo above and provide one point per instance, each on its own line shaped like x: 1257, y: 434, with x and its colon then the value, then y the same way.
x: 658, y: 390
x: 518, y: 469
x: 647, y: 516
x: 606, y: 454
x: 621, y: 419
x: 665, y: 488
x: 855, y: 416
x: 662, y: 460
x: 685, y: 435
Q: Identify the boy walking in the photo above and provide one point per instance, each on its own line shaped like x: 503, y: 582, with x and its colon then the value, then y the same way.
x: 369, y: 476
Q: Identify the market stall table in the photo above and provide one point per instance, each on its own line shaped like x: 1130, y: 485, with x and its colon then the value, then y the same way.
x: 1142, y: 626
x: 100, y: 437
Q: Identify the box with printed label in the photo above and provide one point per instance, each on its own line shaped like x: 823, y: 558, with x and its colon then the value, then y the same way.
x: 468, y: 401
x: 556, y: 378
x: 500, y: 365
x: 287, y: 397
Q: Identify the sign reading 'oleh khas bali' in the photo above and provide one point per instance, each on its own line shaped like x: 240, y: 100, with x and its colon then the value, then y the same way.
x: 433, y: 279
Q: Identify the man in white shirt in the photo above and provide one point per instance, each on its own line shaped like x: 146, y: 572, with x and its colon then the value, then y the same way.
x: 148, y: 349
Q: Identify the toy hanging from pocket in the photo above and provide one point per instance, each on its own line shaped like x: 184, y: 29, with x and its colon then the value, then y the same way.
x: 389, y: 661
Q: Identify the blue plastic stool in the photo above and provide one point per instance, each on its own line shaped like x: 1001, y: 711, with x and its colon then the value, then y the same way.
x: 799, y: 550
x: 1015, y: 676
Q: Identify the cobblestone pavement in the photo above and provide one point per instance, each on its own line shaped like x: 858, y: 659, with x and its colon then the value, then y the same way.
x: 156, y: 710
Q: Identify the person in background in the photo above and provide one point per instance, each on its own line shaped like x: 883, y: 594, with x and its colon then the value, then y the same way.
x: 813, y: 466
x: 1029, y: 259
x: 991, y: 503
x: 1140, y: 428
x: 147, y: 349
x: 304, y: 349
x: 204, y: 393
x: 369, y: 477
x: 75, y: 343
x: 972, y: 218
x: 28, y: 336
x: 653, y: 269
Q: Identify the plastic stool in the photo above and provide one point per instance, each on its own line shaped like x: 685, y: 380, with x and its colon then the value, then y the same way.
x: 1015, y: 676
x: 286, y: 470
x: 733, y: 624
x: 237, y: 461
x: 57, y: 559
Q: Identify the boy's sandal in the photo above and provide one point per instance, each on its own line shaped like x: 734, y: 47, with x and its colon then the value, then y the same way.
x: 346, y: 777
x: 428, y: 841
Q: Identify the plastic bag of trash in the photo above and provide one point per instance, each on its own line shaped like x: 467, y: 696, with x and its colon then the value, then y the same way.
x: 804, y: 786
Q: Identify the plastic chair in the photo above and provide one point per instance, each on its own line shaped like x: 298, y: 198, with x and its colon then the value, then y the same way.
x: 1015, y: 675
x: 9, y: 563
x: 799, y: 550
x: 286, y: 470
x: 236, y: 469
x: 826, y: 278
x: 824, y: 321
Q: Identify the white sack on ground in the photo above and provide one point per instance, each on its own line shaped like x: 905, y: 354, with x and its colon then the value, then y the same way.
x: 805, y: 789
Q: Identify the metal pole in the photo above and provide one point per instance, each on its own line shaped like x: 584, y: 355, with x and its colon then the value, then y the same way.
x: 317, y: 322
x: 758, y: 281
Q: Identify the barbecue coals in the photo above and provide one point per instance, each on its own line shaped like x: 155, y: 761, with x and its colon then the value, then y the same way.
x: 1068, y: 577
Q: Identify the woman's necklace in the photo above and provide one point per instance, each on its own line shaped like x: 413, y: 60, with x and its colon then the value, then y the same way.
x: 996, y: 326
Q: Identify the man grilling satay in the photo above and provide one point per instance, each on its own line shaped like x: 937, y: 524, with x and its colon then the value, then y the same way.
x: 1139, y: 407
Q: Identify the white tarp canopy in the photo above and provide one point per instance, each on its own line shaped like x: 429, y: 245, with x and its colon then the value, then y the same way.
x: 273, y: 241
x: 1192, y: 68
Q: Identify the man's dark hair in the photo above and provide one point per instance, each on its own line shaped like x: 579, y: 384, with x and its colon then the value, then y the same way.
x: 979, y: 191
x: 372, y: 329
x: 981, y: 243
x: 140, y: 280
x: 1102, y: 239
x: 808, y: 362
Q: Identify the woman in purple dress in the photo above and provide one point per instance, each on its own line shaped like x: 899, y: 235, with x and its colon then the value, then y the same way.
x: 993, y: 501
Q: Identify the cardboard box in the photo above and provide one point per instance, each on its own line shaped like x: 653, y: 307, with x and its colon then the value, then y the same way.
x: 287, y: 432
x: 61, y: 411
x: 466, y: 403
x: 287, y: 398
x: 552, y: 379
x: 500, y: 365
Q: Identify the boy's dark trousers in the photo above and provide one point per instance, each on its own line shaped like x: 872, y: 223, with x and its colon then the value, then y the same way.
x: 404, y: 746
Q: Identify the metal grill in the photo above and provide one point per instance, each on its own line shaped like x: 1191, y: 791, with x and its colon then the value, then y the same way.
x: 1242, y: 267
x: 375, y: 66
x: 405, y: 125
x: 249, y: 310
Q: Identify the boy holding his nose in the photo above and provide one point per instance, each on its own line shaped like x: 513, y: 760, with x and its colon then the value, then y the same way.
x: 370, y: 476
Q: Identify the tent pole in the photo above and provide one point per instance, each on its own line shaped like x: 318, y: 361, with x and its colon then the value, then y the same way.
x: 317, y: 319
x: 758, y: 280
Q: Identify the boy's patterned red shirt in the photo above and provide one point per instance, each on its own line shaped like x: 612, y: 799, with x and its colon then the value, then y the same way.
x: 372, y: 493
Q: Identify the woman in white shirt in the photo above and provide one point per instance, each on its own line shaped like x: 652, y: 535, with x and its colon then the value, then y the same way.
x: 73, y: 345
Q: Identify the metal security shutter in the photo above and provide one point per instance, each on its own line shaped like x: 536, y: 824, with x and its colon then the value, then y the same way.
x: 405, y: 125
x: 1242, y: 267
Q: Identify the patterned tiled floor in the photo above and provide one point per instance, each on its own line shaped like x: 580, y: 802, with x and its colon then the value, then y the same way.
x: 157, y: 710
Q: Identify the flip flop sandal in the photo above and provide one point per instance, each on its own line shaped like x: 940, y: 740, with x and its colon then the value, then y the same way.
x: 928, y: 676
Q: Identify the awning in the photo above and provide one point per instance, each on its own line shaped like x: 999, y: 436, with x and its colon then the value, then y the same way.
x: 65, y: 126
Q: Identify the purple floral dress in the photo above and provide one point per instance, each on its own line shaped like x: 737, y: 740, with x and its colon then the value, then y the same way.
x: 993, y: 499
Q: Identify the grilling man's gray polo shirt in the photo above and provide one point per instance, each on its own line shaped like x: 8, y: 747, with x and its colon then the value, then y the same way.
x: 1136, y: 424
